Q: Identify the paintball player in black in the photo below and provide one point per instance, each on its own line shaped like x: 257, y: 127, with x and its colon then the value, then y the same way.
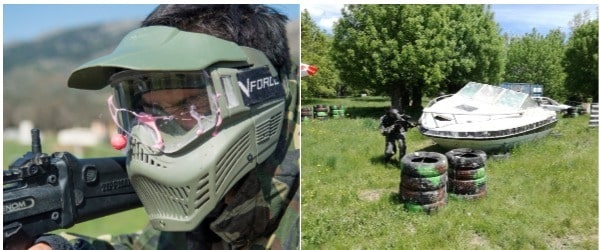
x: 393, y: 126
x: 207, y: 114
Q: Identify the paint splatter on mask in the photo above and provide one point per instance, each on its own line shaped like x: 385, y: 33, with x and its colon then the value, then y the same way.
x: 174, y: 107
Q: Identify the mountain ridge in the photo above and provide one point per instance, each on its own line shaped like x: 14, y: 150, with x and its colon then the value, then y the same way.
x: 36, y: 72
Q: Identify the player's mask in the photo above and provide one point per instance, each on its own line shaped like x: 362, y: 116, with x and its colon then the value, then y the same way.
x: 198, y: 113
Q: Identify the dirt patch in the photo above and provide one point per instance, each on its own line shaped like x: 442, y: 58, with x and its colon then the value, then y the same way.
x: 478, y: 240
x: 372, y: 195
x: 570, y: 241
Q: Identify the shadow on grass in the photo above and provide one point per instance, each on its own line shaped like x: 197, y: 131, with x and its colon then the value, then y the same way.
x: 392, y: 163
x: 324, y: 100
x: 377, y: 112
x: 365, y: 112
x: 361, y: 107
x: 395, y: 198
x: 370, y: 99
x: 497, y: 154
x: 433, y: 148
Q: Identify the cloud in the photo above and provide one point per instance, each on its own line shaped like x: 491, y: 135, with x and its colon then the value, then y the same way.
x: 520, y: 19
x: 327, y: 23
x: 324, y: 15
x: 515, y: 19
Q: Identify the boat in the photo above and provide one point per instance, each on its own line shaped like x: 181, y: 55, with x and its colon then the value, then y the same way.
x: 485, y: 117
x: 548, y: 103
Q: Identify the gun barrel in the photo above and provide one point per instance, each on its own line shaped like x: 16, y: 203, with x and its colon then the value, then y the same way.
x: 63, y: 192
x: 36, y: 145
x: 105, y: 188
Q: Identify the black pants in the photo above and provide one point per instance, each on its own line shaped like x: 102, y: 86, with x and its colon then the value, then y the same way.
x: 390, y: 146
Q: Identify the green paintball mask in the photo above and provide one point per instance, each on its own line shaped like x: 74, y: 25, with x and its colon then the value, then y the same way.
x: 196, y: 112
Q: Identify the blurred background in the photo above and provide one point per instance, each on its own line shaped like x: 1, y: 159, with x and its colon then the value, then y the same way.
x: 42, y: 45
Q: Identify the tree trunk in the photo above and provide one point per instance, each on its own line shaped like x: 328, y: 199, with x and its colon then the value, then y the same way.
x: 417, y: 96
x: 405, y: 99
x: 396, y: 95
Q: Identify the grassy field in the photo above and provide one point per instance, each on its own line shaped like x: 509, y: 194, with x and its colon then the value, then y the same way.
x: 121, y: 223
x: 543, y: 196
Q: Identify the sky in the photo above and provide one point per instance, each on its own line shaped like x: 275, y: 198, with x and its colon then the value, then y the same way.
x: 22, y: 22
x: 514, y: 19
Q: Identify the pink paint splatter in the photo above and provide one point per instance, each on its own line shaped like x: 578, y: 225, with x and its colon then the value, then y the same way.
x: 150, y: 120
x: 198, y: 117
x: 146, y: 119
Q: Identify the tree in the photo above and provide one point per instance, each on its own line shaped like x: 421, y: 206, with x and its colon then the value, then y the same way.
x: 479, y: 53
x: 534, y: 58
x: 316, y: 46
x: 407, y: 51
x: 581, y: 61
x: 367, y: 48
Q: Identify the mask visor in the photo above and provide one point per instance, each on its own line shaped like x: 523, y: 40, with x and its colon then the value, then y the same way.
x: 164, y: 110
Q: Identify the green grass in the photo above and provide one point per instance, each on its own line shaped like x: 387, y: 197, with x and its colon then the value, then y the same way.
x: 120, y: 223
x: 544, y: 196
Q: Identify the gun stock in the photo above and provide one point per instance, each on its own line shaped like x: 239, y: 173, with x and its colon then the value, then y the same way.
x: 43, y: 193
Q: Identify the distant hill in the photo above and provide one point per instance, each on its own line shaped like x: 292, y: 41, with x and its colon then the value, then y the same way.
x: 36, y: 73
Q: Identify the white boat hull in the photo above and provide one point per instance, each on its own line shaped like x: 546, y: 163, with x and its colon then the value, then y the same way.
x: 485, y: 117
x: 490, y: 144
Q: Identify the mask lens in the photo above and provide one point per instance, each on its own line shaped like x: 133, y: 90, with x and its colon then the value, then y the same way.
x: 177, y: 107
x: 183, y: 106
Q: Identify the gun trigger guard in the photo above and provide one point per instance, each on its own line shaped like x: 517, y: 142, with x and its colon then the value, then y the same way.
x: 11, y: 229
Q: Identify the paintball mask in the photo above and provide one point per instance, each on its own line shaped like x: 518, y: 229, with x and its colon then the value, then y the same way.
x: 197, y: 112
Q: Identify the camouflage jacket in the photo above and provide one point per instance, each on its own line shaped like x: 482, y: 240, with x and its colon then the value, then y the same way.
x: 390, y: 125
x: 260, y: 212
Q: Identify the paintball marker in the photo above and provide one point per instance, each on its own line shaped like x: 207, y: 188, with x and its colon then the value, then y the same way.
x: 403, y: 122
x: 407, y: 122
x: 44, y: 192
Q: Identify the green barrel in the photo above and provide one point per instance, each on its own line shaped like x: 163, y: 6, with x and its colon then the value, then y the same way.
x: 306, y: 114
x: 320, y: 112
x: 423, y: 181
x: 336, y: 111
x: 466, y: 173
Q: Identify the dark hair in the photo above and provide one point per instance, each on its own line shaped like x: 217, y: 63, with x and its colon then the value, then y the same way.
x: 251, y: 25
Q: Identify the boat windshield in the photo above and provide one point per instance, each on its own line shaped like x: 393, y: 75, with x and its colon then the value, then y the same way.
x: 494, y: 95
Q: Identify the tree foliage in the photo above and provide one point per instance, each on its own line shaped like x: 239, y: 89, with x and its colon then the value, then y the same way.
x: 410, y: 50
x: 581, y: 61
x: 316, y: 47
x: 534, y: 58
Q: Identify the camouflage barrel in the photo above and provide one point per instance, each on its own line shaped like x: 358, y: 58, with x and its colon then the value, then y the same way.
x: 466, y: 173
x: 423, y: 181
x: 306, y: 114
x: 320, y: 111
x: 337, y: 111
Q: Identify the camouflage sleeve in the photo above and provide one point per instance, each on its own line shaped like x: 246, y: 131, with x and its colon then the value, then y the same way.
x: 382, y: 128
x: 105, y: 242
x: 145, y: 239
x: 280, y: 180
x: 287, y: 235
